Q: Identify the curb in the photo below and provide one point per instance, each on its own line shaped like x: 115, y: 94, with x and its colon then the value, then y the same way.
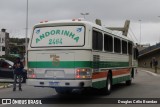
x: 6, y: 86
x: 154, y: 74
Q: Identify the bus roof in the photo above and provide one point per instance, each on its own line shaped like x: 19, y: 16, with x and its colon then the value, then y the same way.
x: 82, y: 21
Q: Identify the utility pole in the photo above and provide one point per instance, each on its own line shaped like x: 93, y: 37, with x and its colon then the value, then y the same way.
x: 26, y: 39
x: 140, y: 31
x: 159, y: 36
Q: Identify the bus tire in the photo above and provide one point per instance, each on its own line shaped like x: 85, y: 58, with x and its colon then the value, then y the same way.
x: 128, y: 82
x: 107, y: 89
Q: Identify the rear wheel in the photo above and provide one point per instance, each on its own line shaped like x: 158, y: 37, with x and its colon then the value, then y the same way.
x: 128, y: 82
x: 107, y: 89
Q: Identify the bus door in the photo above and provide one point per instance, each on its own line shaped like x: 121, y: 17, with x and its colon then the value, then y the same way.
x: 130, y: 49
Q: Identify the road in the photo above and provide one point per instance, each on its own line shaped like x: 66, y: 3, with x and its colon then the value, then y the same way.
x: 144, y: 85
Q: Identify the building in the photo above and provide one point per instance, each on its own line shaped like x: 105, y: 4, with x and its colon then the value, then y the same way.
x: 4, y: 41
x: 146, y: 56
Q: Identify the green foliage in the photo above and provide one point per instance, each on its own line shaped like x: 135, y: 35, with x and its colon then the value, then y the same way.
x: 9, y: 57
x: 18, y: 45
x: 19, y: 41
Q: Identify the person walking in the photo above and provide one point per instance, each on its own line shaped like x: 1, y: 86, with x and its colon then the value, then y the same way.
x: 155, y: 64
x: 151, y: 64
x: 18, y: 70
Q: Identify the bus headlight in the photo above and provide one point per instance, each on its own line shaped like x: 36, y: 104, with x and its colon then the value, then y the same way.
x: 83, y: 73
x: 30, y: 73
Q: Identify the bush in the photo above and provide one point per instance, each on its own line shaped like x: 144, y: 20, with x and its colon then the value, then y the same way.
x: 9, y: 57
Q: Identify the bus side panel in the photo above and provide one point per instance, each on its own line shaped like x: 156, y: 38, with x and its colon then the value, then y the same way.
x: 99, y: 79
x: 120, y: 75
x: 117, y: 63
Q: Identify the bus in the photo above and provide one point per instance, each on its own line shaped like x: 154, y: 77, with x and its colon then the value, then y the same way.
x: 76, y: 54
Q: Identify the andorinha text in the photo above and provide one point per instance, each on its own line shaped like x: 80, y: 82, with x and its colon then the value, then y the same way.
x: 57, y: 32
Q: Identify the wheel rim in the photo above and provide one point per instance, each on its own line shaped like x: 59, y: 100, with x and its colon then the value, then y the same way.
x: 109, y: 84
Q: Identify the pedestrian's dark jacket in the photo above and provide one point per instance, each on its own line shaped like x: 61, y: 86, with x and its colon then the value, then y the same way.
x: 155, y: 63
x: 18, y: 67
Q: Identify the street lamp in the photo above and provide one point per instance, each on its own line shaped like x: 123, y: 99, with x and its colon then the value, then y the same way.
x: 140, y: 31
x: 26, y: 40
x: 159, y: 36
x: 84, y: 14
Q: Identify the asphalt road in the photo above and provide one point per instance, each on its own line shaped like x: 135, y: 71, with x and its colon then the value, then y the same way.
x: 144, y: 85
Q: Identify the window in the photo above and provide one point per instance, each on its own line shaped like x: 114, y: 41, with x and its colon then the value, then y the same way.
x: 3, y: 48
x: 124, y: 47
x: 130, y: 48
x: 4, y: 65
x: 117, y: 45
x: 97, y: 42
x: 108, y: 43
x: 58, y: 36
x: 2, y: 40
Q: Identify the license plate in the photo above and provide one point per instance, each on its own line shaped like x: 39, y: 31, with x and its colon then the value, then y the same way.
x: 54, y: 74
x: 54, y: 83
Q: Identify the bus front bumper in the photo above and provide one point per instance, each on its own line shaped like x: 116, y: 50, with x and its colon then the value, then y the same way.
x: 59, y: 83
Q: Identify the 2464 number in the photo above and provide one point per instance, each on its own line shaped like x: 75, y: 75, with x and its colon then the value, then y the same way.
x: 55, y: 41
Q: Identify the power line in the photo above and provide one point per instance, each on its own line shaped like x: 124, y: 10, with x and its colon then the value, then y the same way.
x: 133, y: 34
x: 130, y: 36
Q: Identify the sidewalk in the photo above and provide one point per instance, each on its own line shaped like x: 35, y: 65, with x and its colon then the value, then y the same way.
x: 151, y: 70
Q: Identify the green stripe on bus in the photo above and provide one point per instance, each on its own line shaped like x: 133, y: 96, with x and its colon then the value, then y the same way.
x: 104, y: 64
x: 120, y: 79
x: 75, y: 64
x: 62, y: 64
x: 99, y: 84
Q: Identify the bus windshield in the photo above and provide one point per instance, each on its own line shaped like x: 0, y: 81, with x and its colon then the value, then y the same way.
x: 58, y: 36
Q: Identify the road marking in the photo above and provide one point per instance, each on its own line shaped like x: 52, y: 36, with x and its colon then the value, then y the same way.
x: 3, y: 105
x: 154, y: 74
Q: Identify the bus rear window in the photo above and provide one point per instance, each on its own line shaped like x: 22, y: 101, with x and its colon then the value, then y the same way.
x: 59, y: 36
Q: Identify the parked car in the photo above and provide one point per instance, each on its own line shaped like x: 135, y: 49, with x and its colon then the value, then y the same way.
x: 6, y: 70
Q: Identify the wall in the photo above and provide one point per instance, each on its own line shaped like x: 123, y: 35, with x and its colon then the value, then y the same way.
x: 148, y: 57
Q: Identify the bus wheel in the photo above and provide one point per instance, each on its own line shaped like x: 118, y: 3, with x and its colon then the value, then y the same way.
x: 128, y: 82
x: 107, y: 89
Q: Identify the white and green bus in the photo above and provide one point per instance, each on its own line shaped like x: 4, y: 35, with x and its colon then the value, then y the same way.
x: 76, y: 54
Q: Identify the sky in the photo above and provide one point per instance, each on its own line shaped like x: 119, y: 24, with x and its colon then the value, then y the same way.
x: 112, y: 13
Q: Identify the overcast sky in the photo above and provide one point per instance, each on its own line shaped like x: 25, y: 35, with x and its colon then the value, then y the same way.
x: 111, y: 12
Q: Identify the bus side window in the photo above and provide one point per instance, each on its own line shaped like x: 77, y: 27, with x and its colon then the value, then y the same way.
x: 108, y: 43
x: 117, y: 45
x: 97, y: 41
x: 124, y: 47
x: 130, y: 46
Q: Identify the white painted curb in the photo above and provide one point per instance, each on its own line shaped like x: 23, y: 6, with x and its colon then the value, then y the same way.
x: 154, y: 74
x: 6, y: 86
